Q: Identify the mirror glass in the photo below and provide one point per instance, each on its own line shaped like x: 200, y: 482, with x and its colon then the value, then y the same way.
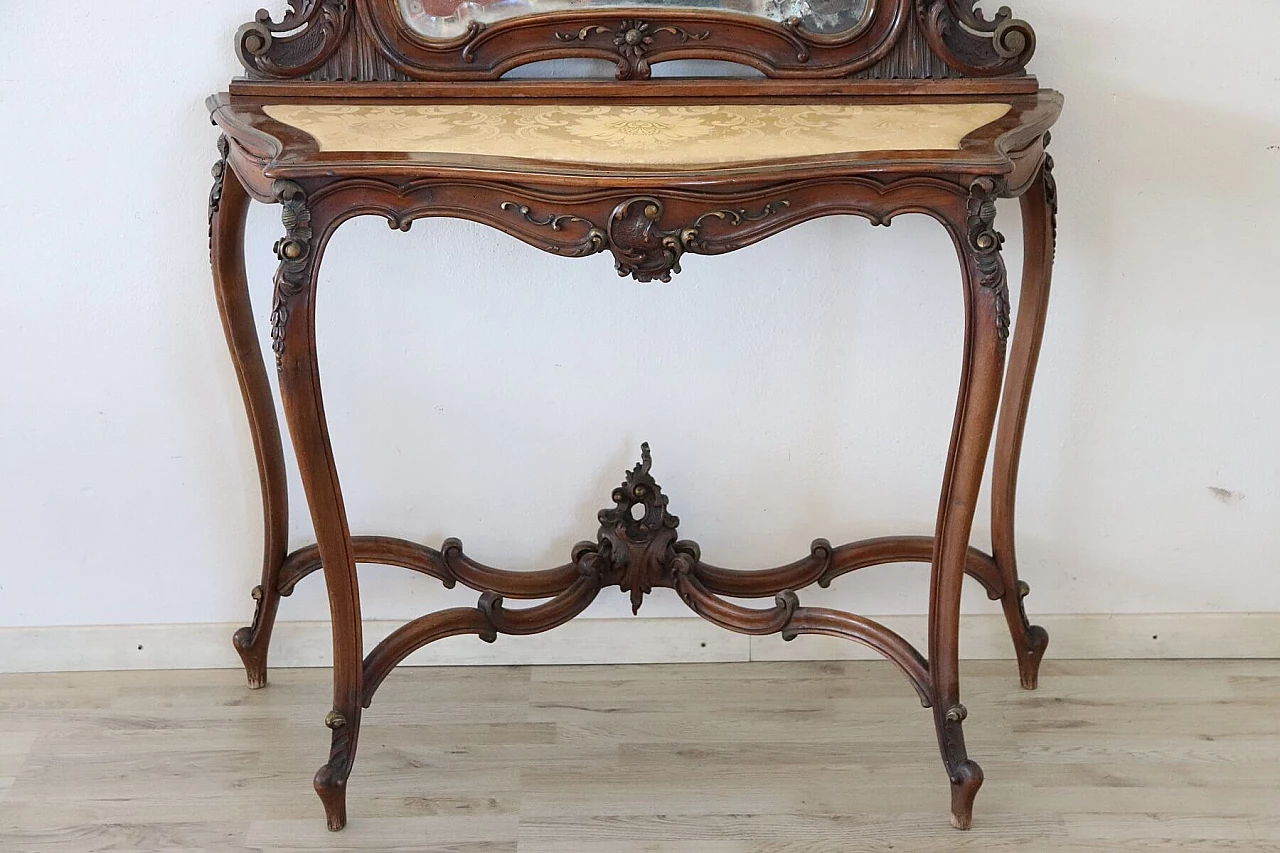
x: 441, y: 19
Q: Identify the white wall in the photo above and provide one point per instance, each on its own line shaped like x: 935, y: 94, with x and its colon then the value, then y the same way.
x: 800, y: 388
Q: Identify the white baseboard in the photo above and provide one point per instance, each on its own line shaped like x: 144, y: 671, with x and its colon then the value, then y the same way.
x: 616, y: 641
x: 1071, y: 637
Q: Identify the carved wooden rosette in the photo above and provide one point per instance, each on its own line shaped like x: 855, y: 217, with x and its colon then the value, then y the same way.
x: 294, y: 252
x: 985, y: 243
x: 368, y: 40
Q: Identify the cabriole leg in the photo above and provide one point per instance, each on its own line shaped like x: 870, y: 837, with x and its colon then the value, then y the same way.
x: 986, y: 329
x: 293, y: 336
x: 228, y: 210
x: 1039, y: 215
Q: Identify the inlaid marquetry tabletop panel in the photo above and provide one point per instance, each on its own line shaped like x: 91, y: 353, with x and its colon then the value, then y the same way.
x: 725, y: 758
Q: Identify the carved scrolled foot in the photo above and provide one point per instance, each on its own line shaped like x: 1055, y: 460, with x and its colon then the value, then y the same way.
x: 965, y: 782
x: 255, y: 663
x: 253, y: 641
x: 1030, y: 654
x: 331, y: 785
x: 1031, y: 641
x: 965, y: 775
x: 331, y: 779
x: 1029, y: 663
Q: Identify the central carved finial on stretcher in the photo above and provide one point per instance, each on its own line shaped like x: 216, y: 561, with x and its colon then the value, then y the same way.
x: 637, y: 538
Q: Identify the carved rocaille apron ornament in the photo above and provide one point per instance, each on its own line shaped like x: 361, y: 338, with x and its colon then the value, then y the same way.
x: 641, y: 248
x: 628, y: 187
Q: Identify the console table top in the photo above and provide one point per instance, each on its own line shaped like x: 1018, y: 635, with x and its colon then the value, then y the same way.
x: 637, y: 138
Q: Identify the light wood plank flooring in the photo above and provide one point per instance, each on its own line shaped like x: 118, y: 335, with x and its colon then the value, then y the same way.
x: 725, y: 758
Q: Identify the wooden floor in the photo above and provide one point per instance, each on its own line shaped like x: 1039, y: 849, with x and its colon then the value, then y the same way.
x: 735, y: 758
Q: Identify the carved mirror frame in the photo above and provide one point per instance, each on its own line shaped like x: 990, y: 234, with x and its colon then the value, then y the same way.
x: 370, y: 41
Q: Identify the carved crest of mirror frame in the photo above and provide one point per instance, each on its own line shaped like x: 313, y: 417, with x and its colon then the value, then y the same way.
x: 371, y: 41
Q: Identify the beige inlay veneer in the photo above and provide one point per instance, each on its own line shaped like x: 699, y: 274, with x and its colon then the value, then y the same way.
x: 656, y: 135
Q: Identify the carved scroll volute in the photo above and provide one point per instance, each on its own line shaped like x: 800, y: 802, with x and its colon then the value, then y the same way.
x: 973, y: 45
x: 592, y: 240
x: 637, y: 535
x: 316, y: 28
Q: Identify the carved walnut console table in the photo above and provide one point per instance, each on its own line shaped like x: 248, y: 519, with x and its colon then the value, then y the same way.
x: 395, y: 108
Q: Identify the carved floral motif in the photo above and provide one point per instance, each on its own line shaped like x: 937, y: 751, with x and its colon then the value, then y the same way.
x: 294, y: 252
x: 1051, y: 193
x: 985, y: 243
x: 633, y: 39
x: 219, y: 178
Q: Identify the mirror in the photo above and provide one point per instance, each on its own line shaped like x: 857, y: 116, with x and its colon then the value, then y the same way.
x: 442, y: 19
